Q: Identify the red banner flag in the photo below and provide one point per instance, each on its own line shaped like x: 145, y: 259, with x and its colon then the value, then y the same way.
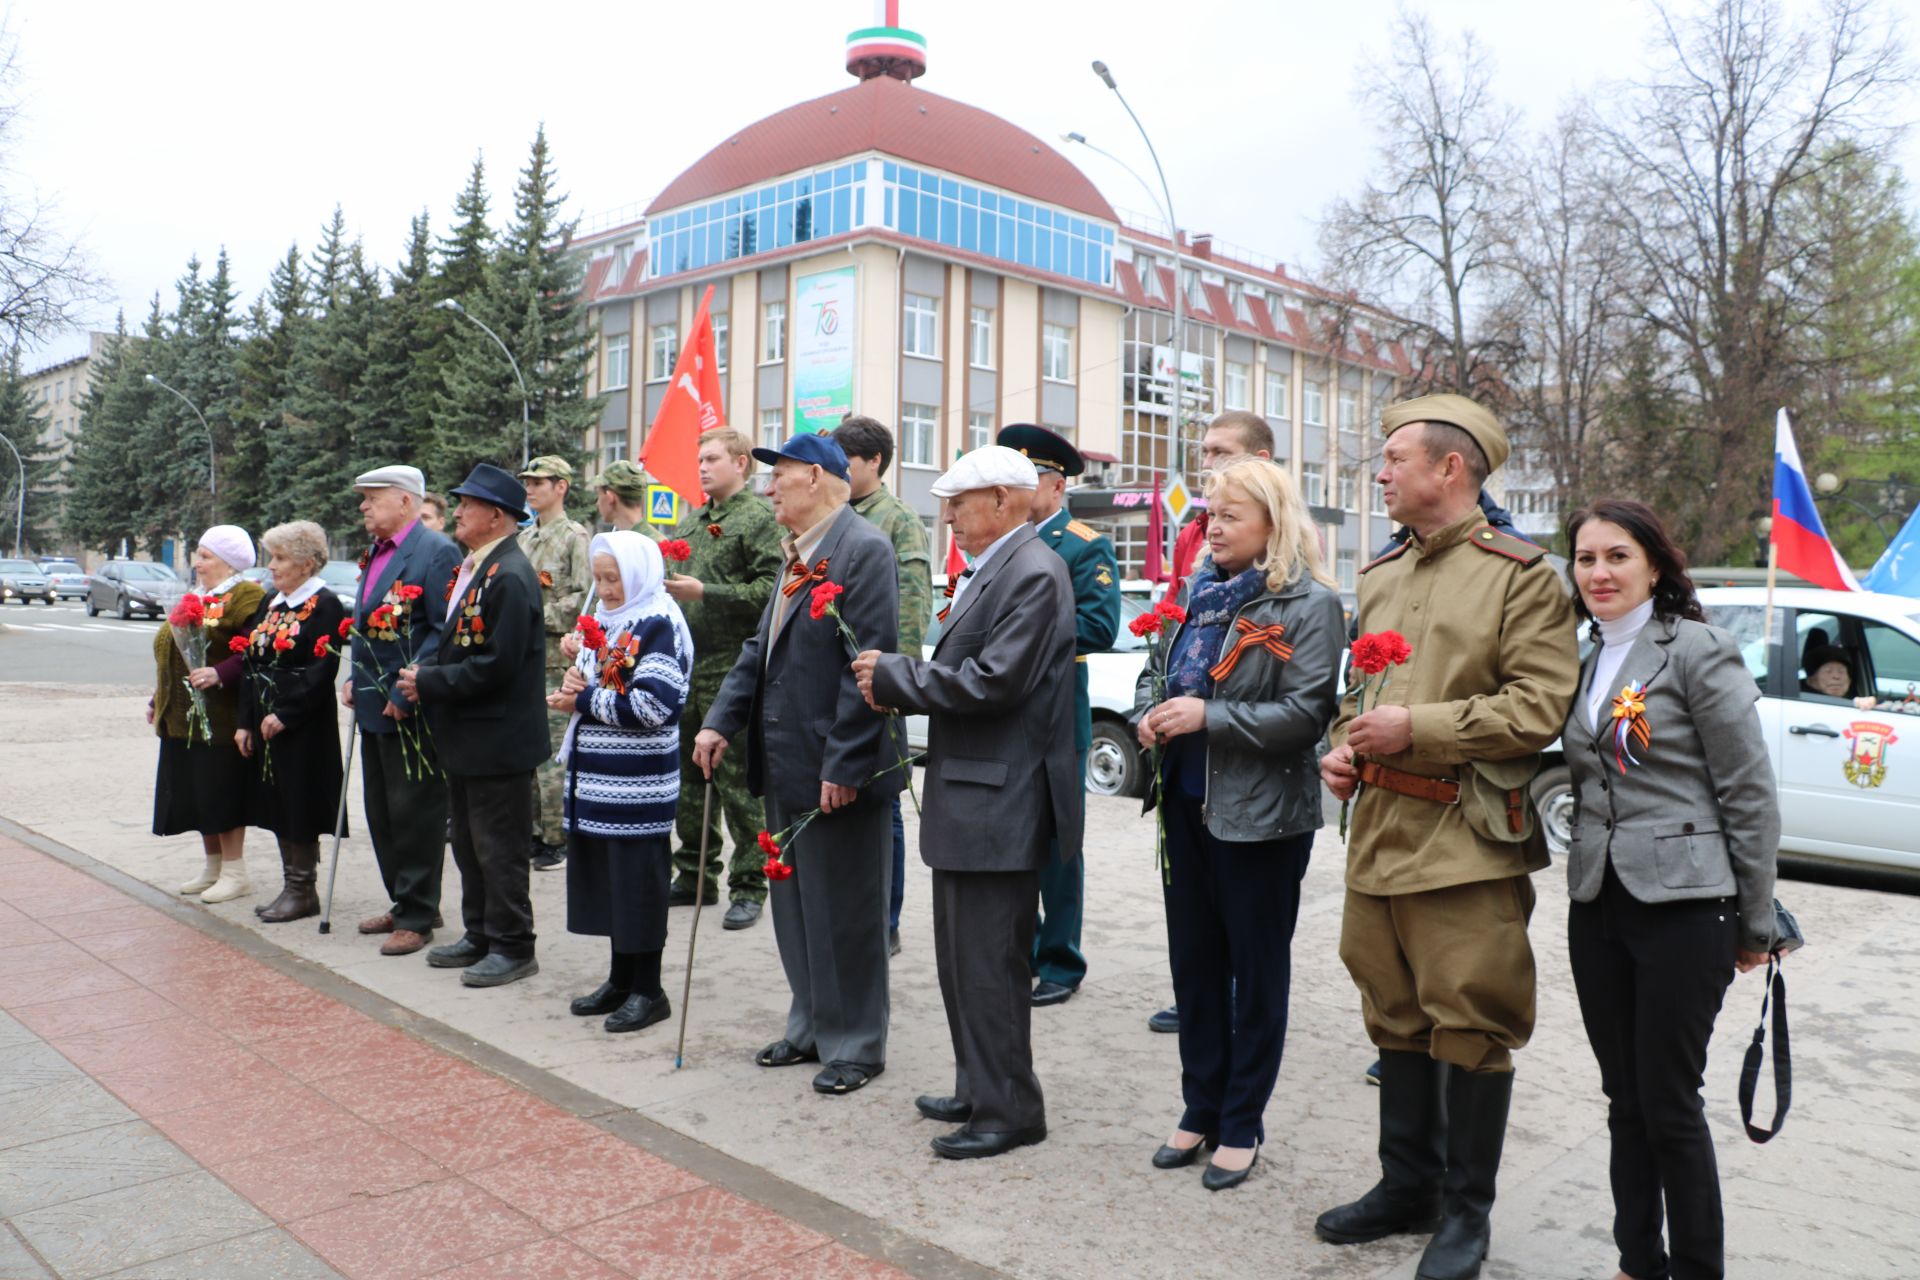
x: 692, y: 405
x: 1154, y: 570
x: 956, y: 562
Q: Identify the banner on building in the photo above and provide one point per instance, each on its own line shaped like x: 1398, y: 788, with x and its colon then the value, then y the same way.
x: 824, y: 312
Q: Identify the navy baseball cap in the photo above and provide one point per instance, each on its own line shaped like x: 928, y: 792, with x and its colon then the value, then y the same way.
x: 816, y: 448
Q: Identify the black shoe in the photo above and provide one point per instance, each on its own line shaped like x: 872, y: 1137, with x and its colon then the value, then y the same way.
x: 893, y: 942
x: 1172, y: 1157
x: 1218, y: 1179
x: 680, y: 897
x: 605, y: 999
x: 965, y: 1144
x: 1406, y: 1200
x: 1166, y: 1022
x: 549, y: 857
x: 844, y: 1077
x: 498, y: 970
x: 782, y: 1053
x: 638, y: 1011
x: 1477, y: 1105
x: 1047, y: 993
x: 945, y: 1110
x: 741, y: 915
x: 457, y: 955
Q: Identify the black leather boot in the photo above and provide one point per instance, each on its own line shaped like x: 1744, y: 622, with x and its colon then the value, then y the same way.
x: 298, y: 861
x: 1477, y: 1103
x: 1406, y: 1200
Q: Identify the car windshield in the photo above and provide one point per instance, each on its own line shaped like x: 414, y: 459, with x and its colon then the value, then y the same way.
x: 140, y: 572
x: 340, y: 573
x: 60, y: 566
x: 18, y: 566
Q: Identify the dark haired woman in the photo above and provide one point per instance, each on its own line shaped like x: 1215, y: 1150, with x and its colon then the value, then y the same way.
x: 1670, y: 870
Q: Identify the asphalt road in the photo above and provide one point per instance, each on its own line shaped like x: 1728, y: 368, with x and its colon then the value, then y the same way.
x: 61, y: 643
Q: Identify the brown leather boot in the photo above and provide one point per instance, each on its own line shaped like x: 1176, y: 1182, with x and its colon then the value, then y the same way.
x: 298, y: 861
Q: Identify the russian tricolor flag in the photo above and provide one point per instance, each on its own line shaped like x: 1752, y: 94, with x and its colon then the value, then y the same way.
x: 1800, y: 541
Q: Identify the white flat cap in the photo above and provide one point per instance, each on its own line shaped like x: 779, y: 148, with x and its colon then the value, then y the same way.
x: 405, y: 478
x: 985, y: 467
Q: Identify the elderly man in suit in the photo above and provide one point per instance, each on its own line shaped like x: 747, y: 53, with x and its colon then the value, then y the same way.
x: 397, y: 619
x: 813, y: 742
x: 1000, y: 693
x: 484, y: 696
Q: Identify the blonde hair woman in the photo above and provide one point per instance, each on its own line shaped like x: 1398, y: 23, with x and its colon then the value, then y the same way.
x: 1238, y: 695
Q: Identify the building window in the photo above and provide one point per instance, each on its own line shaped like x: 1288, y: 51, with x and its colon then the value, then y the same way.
x: 920, y: 327
x: 1056, y: 352
x: 666, y: 350
x: 722, y: 342
x: 1378, y: 504
x: 613, y: 447
x: 828, y: 202
x: 1349, y: 495
x: 770, y: 422
x: 1314, y: 410
x: 917, y: 423
x: 619, y: 362
x: 1235, y: 395
x: 980, y: 337
x: 1313, y: 483
x: 1349, y: 410
x: 933, y: 207
x: 1279, y: 393
x: 1344, y: 569
x: 773, y: 329
x: 979, y: 431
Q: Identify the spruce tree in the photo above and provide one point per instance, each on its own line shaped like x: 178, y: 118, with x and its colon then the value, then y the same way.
x: 327, y: 377
x: 22, y: 422
x: 101, y: 510
x: 395, y: 411
x: 266, y: 373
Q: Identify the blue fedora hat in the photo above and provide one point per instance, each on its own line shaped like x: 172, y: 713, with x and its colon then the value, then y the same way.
x: 493, y: 484
x: 817, y: 448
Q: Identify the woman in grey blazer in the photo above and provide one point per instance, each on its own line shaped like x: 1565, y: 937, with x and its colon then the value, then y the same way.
x: 1239, y: 694
x: 1670, y: 871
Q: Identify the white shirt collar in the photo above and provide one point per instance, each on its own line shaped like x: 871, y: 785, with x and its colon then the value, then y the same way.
x: 980, y: 561
x: 301, y: 594
x: 224, y: 587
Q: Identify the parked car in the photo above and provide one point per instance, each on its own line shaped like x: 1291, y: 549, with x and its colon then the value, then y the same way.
x: 1848, y: 774
x: 68, y: 578
x: 22, y: 582
x: 343, y: 579
x: 127, y: 587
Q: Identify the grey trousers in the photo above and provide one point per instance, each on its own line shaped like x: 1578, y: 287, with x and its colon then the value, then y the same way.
x: 983, y: 929
x: 830, y: 923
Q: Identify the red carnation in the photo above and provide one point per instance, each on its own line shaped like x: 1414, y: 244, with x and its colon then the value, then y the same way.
x: 769, y: 845
x: 1147, y: 624
x: 778, y: 870
x: 380, y: 619
x: 592, y: 634
x: 282, y: 643
x: 190, y: 612
x: 237, y: 645
x: 715, y: 530
x: 346, y: 625
x: 1378, y: 650
x: 323, y: 646
x: 676, y: 549
x: 823, y: 598
x: 410, y: 591
x: 1168, y: 609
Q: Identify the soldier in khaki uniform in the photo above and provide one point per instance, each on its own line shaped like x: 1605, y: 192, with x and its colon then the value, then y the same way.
x: 1443, y: 836
x: 620, y: 493
x: 557, y: 548
x: 722, y: 589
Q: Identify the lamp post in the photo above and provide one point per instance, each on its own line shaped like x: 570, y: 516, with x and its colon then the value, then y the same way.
x: 453, y: 305
x: 20, y: 518
x: 1179, y: 301
x: 1892, y: 494
x: 213, y: 493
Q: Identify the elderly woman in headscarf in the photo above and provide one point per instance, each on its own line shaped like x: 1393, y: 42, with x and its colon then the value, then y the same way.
x: 201, y: 784
x: 622, y: 756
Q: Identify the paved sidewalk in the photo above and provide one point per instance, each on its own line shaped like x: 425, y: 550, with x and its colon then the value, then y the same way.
x: 172, y: 1107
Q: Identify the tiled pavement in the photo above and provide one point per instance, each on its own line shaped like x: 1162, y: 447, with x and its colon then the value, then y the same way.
x: 173, y: 1107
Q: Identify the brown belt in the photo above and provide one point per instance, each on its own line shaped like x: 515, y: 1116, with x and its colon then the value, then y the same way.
x: 1420, y: 787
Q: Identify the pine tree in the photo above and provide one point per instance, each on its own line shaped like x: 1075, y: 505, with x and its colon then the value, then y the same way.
x: 22, y: 422
x: 265, y: 366
x: 396, y: 406
x: 327, y: 377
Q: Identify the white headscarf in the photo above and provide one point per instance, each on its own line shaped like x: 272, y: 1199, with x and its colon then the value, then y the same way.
x: 643, y: 575
x: 232, y: 544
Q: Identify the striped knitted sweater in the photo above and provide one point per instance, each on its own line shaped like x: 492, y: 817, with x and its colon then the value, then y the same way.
x: 623, y: 776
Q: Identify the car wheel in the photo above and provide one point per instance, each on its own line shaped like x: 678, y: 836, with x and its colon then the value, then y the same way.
x: 93, y: 610
x: 126, y: 609
x: 1113, y: 761
x: 1553, y: 797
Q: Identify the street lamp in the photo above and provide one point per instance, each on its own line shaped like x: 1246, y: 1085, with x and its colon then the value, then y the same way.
x: 20, y: 519
x: 453, y: 305
x: 213, y: 494
x: 1179, y: 300
x: 1892, y: 497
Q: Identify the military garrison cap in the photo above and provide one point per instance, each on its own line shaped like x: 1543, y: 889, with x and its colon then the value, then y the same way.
x: 548, y: 467
x: 1043, y: 448
x: 1458, y: 411
x: 628, y: 481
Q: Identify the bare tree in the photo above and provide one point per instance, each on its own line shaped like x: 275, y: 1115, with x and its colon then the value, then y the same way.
x: 45, y: 281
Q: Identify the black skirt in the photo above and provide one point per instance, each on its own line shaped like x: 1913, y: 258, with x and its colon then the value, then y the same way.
x: 618, y: 889
x: 203, y: 787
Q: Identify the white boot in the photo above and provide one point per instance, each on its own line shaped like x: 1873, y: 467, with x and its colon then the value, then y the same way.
x: 233, y: 882
x: 208, y: 876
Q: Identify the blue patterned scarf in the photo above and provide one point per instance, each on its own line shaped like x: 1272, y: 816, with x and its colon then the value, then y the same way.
x: 1212, y: 602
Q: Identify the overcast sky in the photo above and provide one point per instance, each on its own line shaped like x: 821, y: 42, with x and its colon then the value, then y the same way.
x: 164, y: 130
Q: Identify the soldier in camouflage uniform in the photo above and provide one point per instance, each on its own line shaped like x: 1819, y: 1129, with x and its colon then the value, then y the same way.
x: 869, y: 448
x: 620, y: 492
x: 733, y: 562
x: 557, y: 548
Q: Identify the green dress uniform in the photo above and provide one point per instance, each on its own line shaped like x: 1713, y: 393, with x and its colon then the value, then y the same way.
x: 558, y: 552
x: 735, y: 553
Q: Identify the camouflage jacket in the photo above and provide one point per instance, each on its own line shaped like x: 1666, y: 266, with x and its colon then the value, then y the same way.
x: 558, y: 552
x: 734, y: 550
x: 909, y: 536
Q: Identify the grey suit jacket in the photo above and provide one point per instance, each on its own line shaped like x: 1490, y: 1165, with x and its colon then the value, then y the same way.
x: 1002, y: 777
x: 793, y: 690
x: 1699, y: 816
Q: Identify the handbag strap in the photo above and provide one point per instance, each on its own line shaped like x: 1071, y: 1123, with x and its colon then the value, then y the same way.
x: 1776, y: 995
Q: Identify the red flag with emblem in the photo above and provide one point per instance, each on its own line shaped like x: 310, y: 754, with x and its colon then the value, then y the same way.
x: 692, y: 405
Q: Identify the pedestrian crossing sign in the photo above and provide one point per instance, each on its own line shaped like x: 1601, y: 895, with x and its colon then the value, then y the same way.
x: 663, y: 505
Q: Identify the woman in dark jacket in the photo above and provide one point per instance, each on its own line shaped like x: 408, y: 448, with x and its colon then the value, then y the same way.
x: 202, y: 781
x: 1670, y: 869
x: 1238, y: 695
x: 289, y: 722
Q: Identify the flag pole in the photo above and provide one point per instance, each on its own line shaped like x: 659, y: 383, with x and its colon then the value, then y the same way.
x: 1773, y: 571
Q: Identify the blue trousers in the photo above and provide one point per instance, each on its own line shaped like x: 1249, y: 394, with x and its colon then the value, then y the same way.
x: 1063, y: 893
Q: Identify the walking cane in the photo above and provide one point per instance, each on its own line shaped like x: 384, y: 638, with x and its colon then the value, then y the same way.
x: 693, y: 934
x: 339, y: 821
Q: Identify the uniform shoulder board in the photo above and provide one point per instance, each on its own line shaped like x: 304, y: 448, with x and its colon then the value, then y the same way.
x: 1398, y: 549
x: 1488, y: 538
x: 1084, y: 532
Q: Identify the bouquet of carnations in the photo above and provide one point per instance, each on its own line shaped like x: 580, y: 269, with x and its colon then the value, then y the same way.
x: 188, y: 621
x: 1374, y: 656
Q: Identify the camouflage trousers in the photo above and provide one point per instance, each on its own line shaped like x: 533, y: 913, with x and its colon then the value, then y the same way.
x: 741, y: 813
x: 550, y: 779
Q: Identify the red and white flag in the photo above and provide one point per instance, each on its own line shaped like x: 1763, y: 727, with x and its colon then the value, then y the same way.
x: 671, y: 453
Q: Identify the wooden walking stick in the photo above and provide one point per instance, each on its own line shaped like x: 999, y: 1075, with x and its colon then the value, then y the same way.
x: 339, y: 821
x: 693, y: 934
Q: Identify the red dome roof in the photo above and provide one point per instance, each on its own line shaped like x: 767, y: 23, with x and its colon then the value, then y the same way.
x: 896, y: 119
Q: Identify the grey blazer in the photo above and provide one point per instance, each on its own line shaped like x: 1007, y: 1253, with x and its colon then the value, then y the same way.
x: 1002, y: 777
x: 793, y: 691
x: 1699, y: 816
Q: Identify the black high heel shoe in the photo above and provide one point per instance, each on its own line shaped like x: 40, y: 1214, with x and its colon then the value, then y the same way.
x: 1218, y: 1179
x: 1172, y: 1157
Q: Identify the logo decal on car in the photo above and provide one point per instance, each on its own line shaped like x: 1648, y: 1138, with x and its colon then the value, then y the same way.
x: 1866, y: 763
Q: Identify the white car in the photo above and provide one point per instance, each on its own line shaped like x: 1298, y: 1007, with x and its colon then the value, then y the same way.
x: 1849, y: 776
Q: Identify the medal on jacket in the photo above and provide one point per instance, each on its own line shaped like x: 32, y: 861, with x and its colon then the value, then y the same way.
x: 1630, y: 723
